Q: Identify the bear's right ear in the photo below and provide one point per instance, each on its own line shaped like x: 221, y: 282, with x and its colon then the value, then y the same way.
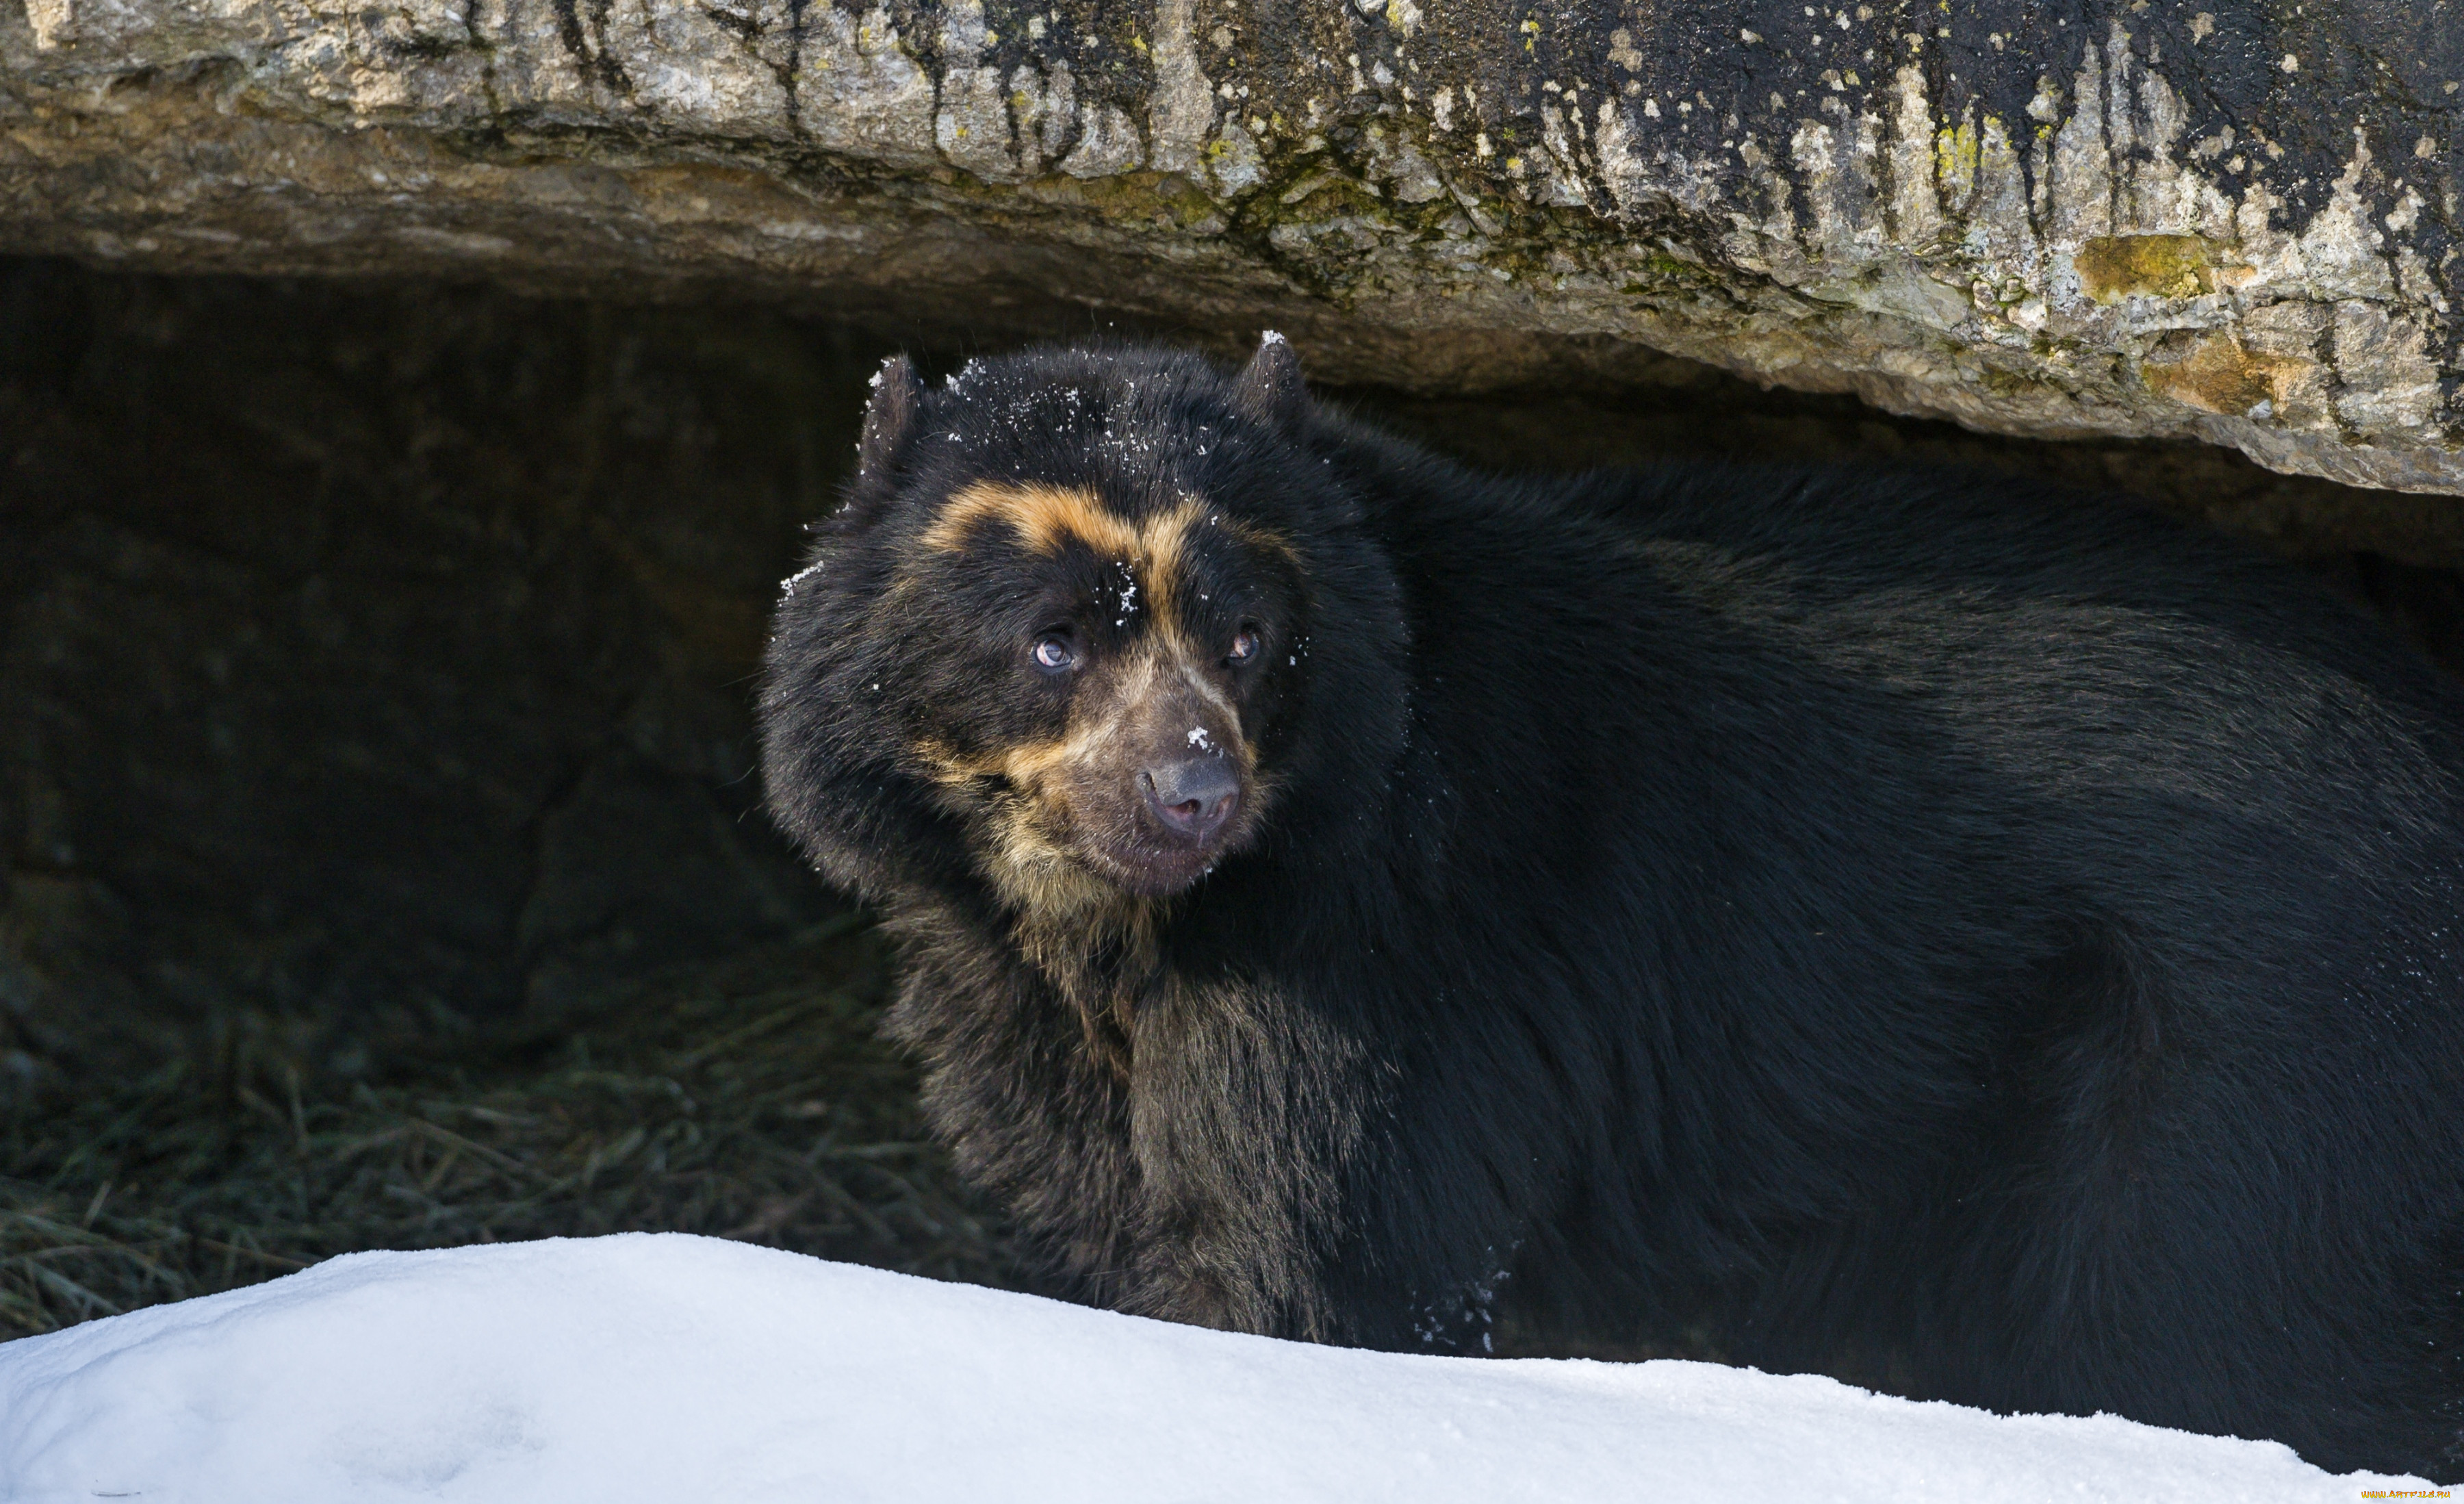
x: 897, y: 401
x: 1270, y: 388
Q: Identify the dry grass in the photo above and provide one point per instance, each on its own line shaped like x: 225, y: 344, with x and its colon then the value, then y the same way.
x: 747, y: 1100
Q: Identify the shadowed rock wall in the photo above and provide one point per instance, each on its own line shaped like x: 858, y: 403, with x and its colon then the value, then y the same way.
x: 370, y: 665
x: 2211, y: 218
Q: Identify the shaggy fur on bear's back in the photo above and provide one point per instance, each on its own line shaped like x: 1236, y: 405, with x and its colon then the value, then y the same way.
x: 1988, y: 944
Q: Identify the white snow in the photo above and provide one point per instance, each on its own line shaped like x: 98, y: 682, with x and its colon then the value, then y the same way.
x: 677, y: 1369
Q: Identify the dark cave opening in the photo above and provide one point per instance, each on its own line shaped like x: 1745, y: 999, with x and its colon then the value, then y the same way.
x: 375, y: 748
x: 377, y: 657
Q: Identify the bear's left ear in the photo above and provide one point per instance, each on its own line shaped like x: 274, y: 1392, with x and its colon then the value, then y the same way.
x: 1270, y: 388
x: 898, y: 400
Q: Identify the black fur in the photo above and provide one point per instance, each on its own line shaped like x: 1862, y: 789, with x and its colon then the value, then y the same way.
x: 1986, y: 944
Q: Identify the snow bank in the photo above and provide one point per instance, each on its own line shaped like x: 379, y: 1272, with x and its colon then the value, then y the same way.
x: 677, y: 1369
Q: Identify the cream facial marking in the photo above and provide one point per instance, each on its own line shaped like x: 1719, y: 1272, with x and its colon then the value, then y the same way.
x: 1193, y: 673
x: 1067, y: 824
x: 1063, y: 807
x: 1046, y: 518
x: 1114, y: 712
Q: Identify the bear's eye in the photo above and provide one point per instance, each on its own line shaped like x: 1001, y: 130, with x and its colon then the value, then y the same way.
x: 1244, y: 646
x: 1054, y: 655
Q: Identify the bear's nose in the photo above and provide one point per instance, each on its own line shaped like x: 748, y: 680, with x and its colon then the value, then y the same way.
x: 1193, y: 797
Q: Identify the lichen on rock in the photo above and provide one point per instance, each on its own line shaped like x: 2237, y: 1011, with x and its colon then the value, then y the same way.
x: 2034, y: 219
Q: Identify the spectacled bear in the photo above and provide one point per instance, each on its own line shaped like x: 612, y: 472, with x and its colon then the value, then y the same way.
x: 1981, y: 942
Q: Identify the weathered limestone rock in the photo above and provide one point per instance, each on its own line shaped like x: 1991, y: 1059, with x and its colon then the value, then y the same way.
x: 2235, y: 222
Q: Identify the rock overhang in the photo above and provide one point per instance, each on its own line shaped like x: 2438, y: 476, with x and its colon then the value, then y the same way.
x: 2206, y: 220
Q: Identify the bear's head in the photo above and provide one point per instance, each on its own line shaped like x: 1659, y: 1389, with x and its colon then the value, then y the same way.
x: 1091, y: 624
